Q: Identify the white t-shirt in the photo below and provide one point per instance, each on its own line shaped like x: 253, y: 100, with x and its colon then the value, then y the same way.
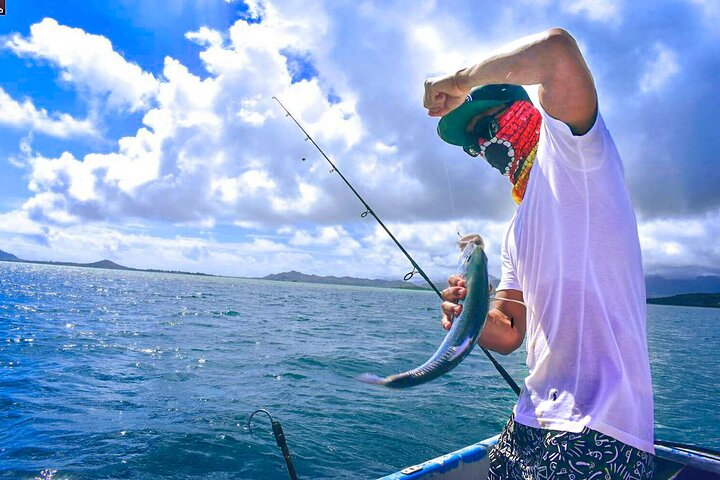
x: 572, y: 248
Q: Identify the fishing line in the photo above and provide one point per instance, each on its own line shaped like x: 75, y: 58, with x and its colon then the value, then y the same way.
x: 452, y: 200
x: 389, y: 122
x: 416, y: 267
x: 502, y: 299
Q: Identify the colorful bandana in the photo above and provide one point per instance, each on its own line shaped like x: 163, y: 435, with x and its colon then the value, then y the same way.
x: 509, y: 142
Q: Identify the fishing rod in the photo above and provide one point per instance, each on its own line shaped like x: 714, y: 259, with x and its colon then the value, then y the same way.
x: 279, y: 439
x: 416, y: 267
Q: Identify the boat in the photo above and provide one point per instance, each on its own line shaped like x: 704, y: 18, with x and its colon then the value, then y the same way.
x: 673, y: 461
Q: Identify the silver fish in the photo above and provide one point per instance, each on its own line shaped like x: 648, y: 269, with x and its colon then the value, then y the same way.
x: 465, y: 329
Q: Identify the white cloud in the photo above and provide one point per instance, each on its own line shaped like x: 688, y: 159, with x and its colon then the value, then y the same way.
x: 89, y: 62
x: 18, y: 222
x: 668, y: 245
x: 64, y: 174
x: 215, y: 149
x: 604, y: 11
x: 334, y: 238
x: 26, y: 116
x: 206, y: 37
x: 208, y: 150
x: 328, y: 249
x: 659, y: 69
x: 681, y: 243
x: 710, y: 12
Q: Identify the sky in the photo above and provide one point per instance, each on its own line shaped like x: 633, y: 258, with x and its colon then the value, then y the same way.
x: 145, y: 132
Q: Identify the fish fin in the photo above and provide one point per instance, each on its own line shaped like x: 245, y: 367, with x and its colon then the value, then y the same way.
x: 372, y: 379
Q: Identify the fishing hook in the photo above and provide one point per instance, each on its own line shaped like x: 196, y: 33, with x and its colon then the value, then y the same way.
x: 279, y: 439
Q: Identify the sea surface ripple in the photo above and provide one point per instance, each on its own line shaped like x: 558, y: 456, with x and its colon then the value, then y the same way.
x: 111, y: 374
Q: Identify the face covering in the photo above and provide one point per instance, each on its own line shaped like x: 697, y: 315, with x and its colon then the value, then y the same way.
x: 508, y: 141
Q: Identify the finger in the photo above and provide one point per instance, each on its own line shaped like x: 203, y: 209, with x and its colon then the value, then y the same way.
x: 456, y: 281
x: 454, y: 294
x: 427, y: 97
x: 439, y: 109
x: 445, y: 323
x: 432, y: 98
x: 451, y: 309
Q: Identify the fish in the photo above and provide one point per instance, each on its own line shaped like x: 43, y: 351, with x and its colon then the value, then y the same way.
x: 465, y: 330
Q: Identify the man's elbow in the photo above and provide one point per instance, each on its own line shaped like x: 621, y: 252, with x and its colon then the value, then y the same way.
x: 561, y: 42
x: 560, y: 36
x: 510, y: 348
x: 504, y: 348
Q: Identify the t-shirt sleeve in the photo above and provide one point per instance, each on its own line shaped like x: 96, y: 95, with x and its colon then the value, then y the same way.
x: 508, y: 278
x: 579, y: 152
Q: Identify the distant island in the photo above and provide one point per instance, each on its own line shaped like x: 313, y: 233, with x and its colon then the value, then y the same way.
x: 675, y: 291
x: 707, y: 300
x: 104, y: 264
x: 294, y: 276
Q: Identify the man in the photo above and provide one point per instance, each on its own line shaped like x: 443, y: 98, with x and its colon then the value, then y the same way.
x: 571, y: 253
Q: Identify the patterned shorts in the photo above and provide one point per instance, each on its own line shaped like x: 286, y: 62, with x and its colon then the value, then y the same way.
x: 527, y: 453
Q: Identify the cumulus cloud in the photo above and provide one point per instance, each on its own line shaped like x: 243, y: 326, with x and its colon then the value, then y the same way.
x: 366, y: 251
x: 205, y: 151
x: 659, y: 69
x: 213, y: 148
x: 218, y: 148
x: 710, y: 12
x: 87, y: 61
x: 673, y: 244
x: 27, y: 116
x: 206, y: 37
x: 605, y: 11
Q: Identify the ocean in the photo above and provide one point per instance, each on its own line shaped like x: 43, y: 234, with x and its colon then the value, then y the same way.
x: 111, y: 374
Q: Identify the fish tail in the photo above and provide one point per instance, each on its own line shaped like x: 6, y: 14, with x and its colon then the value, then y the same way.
x: 372, y: 379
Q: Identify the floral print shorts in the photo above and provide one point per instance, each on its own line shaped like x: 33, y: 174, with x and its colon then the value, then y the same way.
x: 527, y: 453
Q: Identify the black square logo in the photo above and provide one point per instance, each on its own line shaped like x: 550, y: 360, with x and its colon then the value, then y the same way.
x: 2, y: 7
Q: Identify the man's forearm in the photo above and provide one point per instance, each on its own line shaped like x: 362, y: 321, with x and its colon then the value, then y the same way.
x: 498, y: 336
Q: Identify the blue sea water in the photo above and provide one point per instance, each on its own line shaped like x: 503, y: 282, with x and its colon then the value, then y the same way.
x: 111, y: 374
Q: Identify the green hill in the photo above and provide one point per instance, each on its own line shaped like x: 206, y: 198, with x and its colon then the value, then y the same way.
x: 8, y: 257
x: 295, y: 276
x: 708, y: 300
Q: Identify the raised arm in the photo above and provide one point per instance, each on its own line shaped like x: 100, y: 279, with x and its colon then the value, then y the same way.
x: 551, y: 59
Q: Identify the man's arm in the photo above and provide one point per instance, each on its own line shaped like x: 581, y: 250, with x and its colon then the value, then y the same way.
x: 504, y: 329
x: 551, y: 59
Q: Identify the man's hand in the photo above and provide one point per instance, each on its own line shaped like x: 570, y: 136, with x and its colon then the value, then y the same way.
x: 455, y: 292
x: 443, y: 95
x: 550, y: 59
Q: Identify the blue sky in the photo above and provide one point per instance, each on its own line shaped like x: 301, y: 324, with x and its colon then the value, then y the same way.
x: 145, y: 132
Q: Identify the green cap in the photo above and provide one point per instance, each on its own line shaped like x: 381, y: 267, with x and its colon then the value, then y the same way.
x: 451, y: 127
